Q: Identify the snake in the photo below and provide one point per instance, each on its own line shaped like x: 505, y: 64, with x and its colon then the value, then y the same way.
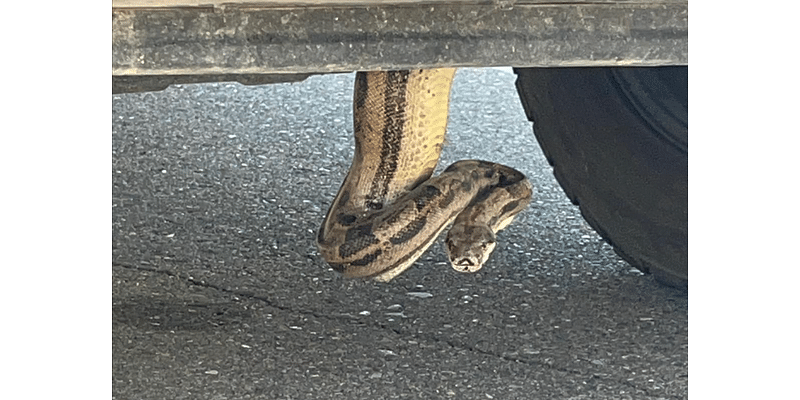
x: 390, y: 208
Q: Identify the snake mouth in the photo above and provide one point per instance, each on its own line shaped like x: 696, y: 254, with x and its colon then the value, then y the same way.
x: 465, y: 265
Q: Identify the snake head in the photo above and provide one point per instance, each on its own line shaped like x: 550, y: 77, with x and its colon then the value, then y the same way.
x: 469, y: 246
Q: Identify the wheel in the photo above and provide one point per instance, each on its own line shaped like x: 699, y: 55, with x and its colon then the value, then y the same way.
x: 617, y: 139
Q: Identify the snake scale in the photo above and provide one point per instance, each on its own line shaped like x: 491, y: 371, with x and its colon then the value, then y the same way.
x: 389, y: 209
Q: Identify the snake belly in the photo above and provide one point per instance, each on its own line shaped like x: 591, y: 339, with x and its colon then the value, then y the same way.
x: 390, y: 209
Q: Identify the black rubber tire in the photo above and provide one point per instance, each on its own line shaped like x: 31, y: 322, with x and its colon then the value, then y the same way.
x: 617, y: 139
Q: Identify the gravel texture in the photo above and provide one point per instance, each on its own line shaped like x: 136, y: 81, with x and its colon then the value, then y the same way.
x: 219, y: 291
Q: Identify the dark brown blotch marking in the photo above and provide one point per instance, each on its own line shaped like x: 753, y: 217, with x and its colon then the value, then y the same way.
x: 366, y: 260
x: 427, y: 193
x: 409, y: 231
x: 393, y: 128
x: 362, y: 85
x: 359, y: 101
x: 482, y: 195
x: 346, y: 219
x: 509, y: 207
x: 356, y: 239
x: 338, y: 267
x: 510, y: 179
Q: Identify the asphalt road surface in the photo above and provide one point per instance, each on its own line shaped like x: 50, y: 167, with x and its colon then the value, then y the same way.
x: 219, y: 291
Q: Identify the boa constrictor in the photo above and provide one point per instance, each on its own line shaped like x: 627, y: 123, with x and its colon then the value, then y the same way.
x: 389, y: 209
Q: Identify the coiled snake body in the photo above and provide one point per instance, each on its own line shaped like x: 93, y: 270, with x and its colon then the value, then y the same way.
x: 389, y: 209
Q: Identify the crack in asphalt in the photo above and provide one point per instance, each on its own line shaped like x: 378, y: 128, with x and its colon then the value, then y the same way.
x: 399, y: 332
